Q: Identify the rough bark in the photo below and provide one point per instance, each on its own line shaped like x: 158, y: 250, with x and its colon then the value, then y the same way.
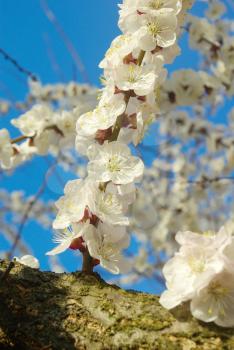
x: 44, y: 310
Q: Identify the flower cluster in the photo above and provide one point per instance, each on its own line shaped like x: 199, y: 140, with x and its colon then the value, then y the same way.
x: 202, y: 272
x: 187, y: 87
x: 190, y: 183
x: 61, y: 96
x: 185, y: 187
x: 93, y: 211
x: 49, y: 124
x: 41, y: 131
x: 213, y: 37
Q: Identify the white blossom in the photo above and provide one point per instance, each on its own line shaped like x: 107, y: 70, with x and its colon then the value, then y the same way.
x: 131, y: 14
x: 28, y: 260
x: 78, y: 195
x: 193, y: 267
x: 113, y: 162
x: 101, y: 118
x: 126, y: 193
x: 216, y: 10
x: 34, y: 121
x: 109, y: 209
x: 45, y: 141
x: 215, y: 302
x: 133, y: 77
x: 153, y: 7
x: 187, y: 86
x: 66, y: 122
x: 113, y: 233
x: 121, y: 46
x: 157, y: 32
x: 102, y: 247
x: 219, y: 241
x: 6, y: 149
x: 69, y: 236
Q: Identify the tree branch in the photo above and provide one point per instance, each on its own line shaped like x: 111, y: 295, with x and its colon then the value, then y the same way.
x: 17, y: 65
x: 44, y: 310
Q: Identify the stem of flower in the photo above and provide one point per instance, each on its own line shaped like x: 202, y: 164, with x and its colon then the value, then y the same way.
x: 87, y: 263
x: 24, y: 137
x: 118, y: 123
x: 140, y: 57
x: 19, y: 139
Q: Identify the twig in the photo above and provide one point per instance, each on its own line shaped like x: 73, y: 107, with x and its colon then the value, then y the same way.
x: 24, y: 137
x: 87, y: 263
x: 68, y: 43
x: 17, y: 65
x: 127, y: 96
x: 28, y: 211
x: 7, y: 272
x: 11, y: 234
x: 205, y: 180
x: 55, y: 66
x: 19, y: 139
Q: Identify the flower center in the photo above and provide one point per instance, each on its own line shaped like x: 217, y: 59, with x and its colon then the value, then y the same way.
x: 111, y: 51
x: 154, y: 28
x: 132, y: 74
x: 108, y: 199
x: 197, y: 266
x: 155, y: 4
x: 209, y: 233
x: 217, y: 290
x: 68, y: 124
x: 103, y: 118
x: 107, y: 251
x: 113, y: 164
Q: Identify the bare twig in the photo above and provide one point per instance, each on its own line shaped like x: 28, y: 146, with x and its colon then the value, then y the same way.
x: 87, y: 264
x: 56, y: 68
x: 206, y: 180
x: 68, y: 43
x: 11, y: 234
x: 7, y: 272
x: 17, y: 65
x: 29, y: 209
x: 19, y: 139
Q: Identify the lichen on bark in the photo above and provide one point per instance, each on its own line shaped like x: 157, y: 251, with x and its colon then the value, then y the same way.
x: 44, y: 310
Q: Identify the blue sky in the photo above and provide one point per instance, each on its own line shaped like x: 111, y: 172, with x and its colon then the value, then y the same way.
x: 26, y: 34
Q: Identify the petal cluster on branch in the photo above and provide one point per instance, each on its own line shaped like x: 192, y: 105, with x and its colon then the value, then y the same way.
x: 133, y: 71
x: 190, y: 183
x: 202, y: 273
x: 48, y: 125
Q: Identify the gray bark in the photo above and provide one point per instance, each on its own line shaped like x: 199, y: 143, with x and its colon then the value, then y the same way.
x: 44, y: 310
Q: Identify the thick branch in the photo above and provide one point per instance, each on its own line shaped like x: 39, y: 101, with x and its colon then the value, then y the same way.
x: 44, y: 310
